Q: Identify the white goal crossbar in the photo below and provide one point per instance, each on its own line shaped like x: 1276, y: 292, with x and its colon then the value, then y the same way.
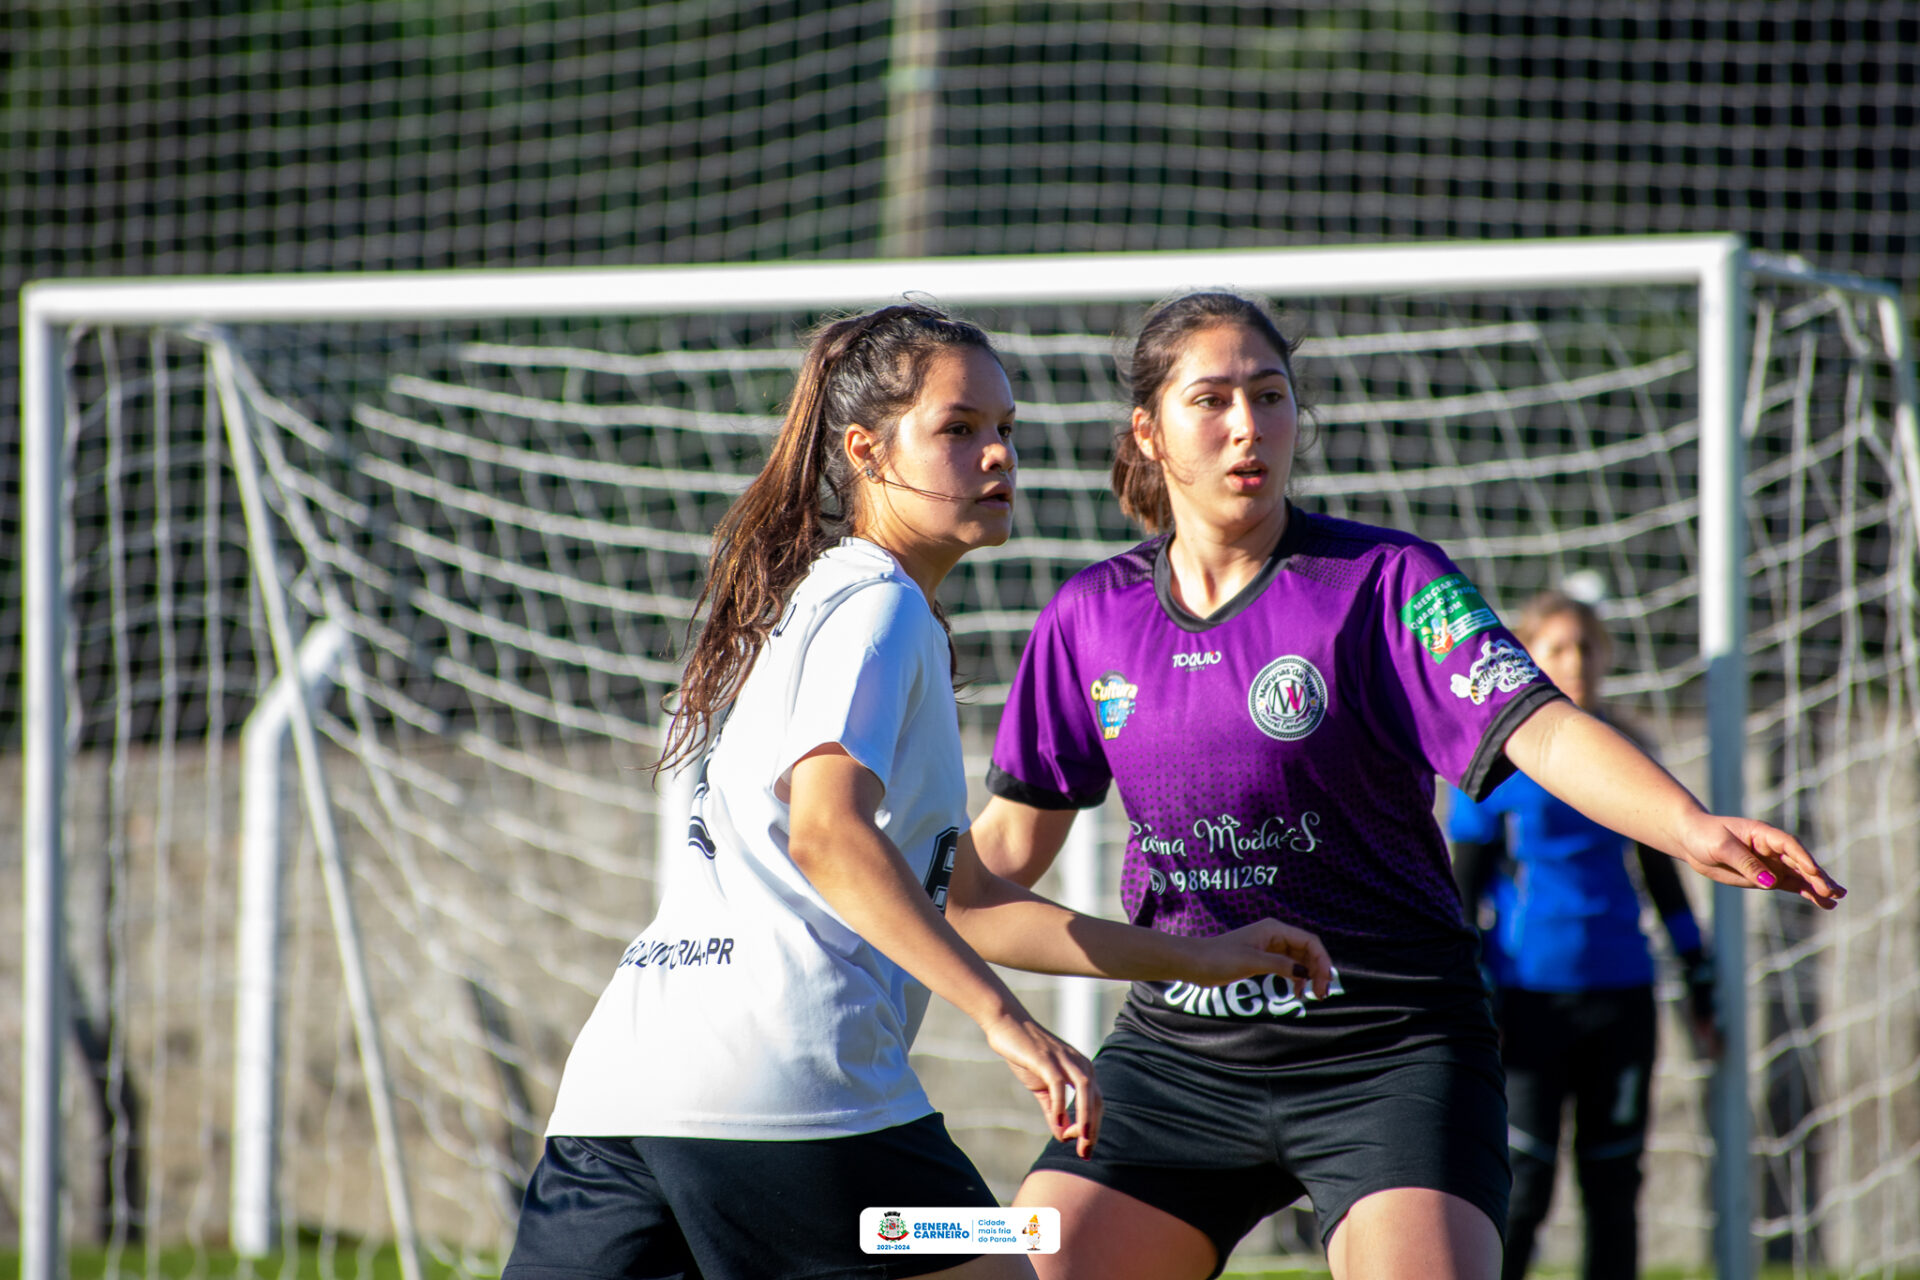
x: 1719, y: 267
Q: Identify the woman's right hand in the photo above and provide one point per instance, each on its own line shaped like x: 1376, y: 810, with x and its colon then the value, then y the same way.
x: 1050, y: 1069
x: 1265, y: 946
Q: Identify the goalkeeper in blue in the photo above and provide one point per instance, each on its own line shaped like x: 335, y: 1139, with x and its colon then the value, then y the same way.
x: 1570, y: 971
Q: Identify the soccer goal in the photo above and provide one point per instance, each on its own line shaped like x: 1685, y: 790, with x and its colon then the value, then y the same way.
x: 411, y: 558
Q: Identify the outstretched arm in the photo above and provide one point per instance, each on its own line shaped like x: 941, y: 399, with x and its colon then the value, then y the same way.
x: 833, y: 839
x: 1599, y: 771
x: 1009, y: 924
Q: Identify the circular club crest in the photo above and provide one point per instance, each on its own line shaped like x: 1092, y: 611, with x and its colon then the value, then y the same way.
x: 1288, y: 699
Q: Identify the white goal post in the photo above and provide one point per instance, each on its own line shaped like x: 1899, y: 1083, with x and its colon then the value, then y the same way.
x: 1729, y: 342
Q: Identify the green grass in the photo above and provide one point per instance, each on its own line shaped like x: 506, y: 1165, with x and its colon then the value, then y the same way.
x: 346, y: 1260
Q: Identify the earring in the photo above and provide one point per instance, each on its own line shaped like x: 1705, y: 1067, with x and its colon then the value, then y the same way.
x: 870, y: 474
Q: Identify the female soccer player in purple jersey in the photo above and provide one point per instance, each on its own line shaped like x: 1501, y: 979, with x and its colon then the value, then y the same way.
x: 1274, y: 691
x: 742, y: 1090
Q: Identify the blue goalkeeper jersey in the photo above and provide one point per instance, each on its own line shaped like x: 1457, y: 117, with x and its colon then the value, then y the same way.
x: 1567, y: 914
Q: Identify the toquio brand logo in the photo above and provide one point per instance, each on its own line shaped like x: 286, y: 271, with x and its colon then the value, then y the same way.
x: 1194, y: 661
x: 1288, y: 699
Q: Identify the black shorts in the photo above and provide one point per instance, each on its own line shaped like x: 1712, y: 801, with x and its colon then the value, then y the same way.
x: 1222, y: 1147
x: 716, y: 1209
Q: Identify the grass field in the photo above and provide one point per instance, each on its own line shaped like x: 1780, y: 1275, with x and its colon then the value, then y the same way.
x: 352, y: 1261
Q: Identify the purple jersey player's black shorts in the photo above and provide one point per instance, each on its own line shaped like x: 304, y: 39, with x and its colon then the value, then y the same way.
x: 717, y: 1209
x: 1221, y: 1147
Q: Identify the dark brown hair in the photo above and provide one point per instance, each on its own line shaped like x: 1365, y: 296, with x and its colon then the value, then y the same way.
x: 865, y: 369
x: 1551, y: 604
x: 1138, y: 480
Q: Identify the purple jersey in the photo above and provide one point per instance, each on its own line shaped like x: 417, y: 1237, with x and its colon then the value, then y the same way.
x: 1278, y: 758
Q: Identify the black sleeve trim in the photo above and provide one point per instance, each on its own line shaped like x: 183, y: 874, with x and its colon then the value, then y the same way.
x: 1005, y: 785
x: 1490, y: 766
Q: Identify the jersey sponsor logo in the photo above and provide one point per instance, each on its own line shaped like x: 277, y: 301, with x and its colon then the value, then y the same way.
x: 1114, y: 698
x: 1503, y: 666
x: 1264, y: 997
x: 892, y: 1226
x: 1166, y: 847
x: 1288, y: 699
x: 1227, y: 833
x: 677, y: 953
x: 946, y: 850
x: 1194, y: 661
x: 1446, y: 612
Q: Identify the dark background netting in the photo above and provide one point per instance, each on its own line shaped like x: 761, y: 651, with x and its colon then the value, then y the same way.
x: 329, y: 135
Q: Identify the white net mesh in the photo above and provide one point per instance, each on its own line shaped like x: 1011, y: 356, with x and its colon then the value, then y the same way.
x: 509, y: 523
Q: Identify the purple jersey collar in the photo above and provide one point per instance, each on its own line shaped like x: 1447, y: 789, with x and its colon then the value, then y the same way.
x: 1181, y: 617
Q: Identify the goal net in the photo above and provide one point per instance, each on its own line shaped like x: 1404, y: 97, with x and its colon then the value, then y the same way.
x: 463, y: 553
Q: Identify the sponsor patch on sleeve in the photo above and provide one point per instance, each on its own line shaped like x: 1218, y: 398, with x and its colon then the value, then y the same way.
x: 1503, y: 666
x: 1446, y: 612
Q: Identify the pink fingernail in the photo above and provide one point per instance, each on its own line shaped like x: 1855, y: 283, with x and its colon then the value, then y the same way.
x: 1765, y: 879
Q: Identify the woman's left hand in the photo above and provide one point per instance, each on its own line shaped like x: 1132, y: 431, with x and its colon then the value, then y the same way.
x: 1753, y: 855
x: 1265, y: 946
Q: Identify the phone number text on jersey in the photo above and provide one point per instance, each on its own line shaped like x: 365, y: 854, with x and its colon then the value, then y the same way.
x: 1203, y: 878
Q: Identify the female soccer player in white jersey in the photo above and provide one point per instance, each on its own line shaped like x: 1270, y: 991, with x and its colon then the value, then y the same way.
x: 741, y: 1091
x: 1273, y: 692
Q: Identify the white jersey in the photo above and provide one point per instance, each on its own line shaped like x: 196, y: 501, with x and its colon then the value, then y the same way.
x: 748, y: 1008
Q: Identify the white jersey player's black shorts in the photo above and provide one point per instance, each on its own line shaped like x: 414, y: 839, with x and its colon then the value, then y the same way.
x: 714, y: 1209
x: 1222, y: 1146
